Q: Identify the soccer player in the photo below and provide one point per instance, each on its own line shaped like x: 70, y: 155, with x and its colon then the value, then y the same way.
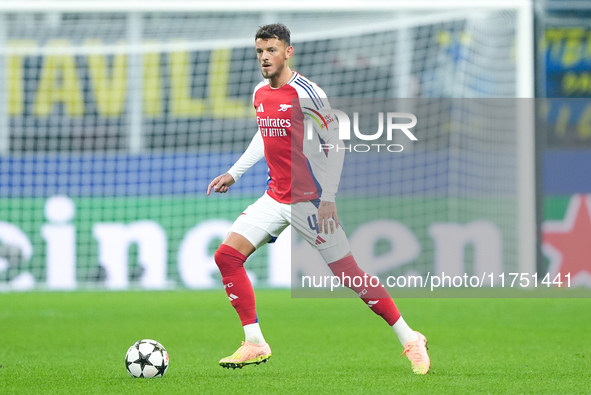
x: 309, y: 196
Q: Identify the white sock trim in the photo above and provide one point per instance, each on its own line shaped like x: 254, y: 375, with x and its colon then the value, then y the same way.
x: 253, y: 334
x: 404, y: 332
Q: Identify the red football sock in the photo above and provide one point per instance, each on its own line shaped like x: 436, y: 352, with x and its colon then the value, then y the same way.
x: 236, y: 283
x: 374, y: 295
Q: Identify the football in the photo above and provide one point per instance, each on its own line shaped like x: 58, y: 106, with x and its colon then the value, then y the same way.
x: 146, y: 358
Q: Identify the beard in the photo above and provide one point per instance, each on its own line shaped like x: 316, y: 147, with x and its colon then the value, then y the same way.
x: 270, y: 74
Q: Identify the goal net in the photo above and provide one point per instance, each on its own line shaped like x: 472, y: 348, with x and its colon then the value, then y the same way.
x: 115, y: 116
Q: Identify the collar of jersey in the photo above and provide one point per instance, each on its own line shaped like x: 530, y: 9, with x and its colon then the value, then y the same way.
x: 295, y: 74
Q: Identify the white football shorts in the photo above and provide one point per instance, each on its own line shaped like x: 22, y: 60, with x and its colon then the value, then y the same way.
x: 264, y: 220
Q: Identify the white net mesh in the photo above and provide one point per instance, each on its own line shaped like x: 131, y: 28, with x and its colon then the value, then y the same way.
x: 128, y: 116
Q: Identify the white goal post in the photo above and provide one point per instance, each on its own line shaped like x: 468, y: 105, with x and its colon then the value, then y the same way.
x: 138, y: 82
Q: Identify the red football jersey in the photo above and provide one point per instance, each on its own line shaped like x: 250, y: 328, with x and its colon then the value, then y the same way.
x: 295, y: 169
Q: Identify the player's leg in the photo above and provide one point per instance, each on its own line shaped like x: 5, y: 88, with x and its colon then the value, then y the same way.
x: 230, y: 258
x: 242, y: 240
x: 376, y: 297
x: 336, y: 251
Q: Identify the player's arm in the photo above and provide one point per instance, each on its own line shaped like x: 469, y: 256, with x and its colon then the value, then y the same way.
x: 254, y: 153
x: 327, y: 210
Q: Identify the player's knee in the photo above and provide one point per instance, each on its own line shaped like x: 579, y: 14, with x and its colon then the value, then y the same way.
x: 228, y: 259
x: 344, y: 265
x: 218, y: 257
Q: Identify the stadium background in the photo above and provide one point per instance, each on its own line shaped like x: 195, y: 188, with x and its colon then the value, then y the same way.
x: 93, y: 195
x: 102, y: 194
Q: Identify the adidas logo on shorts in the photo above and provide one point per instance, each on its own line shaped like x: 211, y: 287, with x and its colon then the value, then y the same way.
x: 319, y: 240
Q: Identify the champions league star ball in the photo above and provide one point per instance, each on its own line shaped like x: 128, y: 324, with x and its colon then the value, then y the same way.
x: 146, y: 358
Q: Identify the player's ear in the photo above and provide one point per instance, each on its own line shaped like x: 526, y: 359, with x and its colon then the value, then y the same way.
x: 289, y: 52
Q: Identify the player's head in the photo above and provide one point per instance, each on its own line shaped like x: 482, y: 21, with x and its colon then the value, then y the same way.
x: 273, y: 46
x: 275, y: 30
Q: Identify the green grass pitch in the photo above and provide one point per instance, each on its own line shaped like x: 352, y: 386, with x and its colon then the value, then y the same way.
x: 75, y: 343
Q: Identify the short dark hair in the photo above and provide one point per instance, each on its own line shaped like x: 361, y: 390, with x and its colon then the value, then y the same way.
x: 275, y: 30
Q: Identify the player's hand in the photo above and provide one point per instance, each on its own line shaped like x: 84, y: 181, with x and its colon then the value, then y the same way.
x: 221, y: 183
x: 327, y: 217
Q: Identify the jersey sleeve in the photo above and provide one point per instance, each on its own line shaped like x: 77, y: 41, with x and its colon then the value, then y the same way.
x: 332, y: 159
x: 254, y: 153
